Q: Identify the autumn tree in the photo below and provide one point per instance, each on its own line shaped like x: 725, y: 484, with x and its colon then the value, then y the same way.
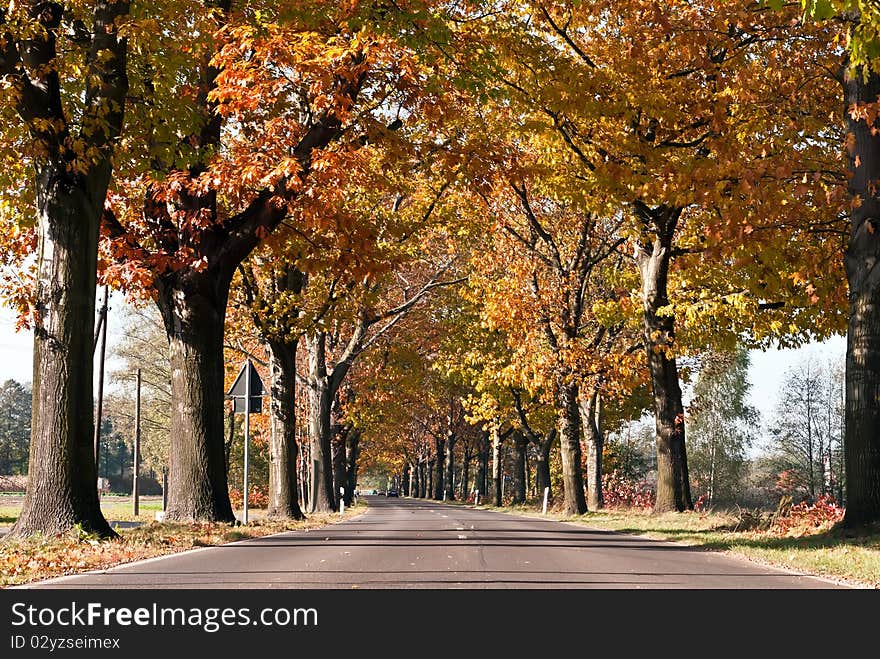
x: 63, y: 101
x: 858, y: 21
x: 669, y: 116
x: 320, y: 84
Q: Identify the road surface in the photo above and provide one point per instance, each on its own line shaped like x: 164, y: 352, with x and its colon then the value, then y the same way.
x: 411, y: 543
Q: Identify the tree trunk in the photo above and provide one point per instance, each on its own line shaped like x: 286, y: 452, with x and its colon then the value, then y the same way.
x: 862, y: 422
x: 497, y: 494
x: 542, y: 463
x: 429, y: 490
x: 193, y: 307
x: 482, y: 483
x: 338, y: 443
x: 283, y: 448
x: 323, y: 496
x: 439, y: 452
x: 591, y: 421
x: 423, y: 480
x: 449, y: 485
x: 408, y: 472
x: 520, y: 443
x: 62, y: 485
x: 465, y: 472
x: 352, y: 453
x: 62, y: 489
x: 570, y: 449
x: 673, y: 485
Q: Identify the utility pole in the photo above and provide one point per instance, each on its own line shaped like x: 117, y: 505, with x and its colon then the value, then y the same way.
x: 101, y: 333
x: 137, y: 448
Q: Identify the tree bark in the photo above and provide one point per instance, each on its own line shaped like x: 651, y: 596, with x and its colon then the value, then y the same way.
x: 62, y: 485
x: 465, y: 472
x: 193, y: 306
x: 429, y: 486
x: 520, y: 443
x: 591, y: 421
x: 449, y: 484
x: 542, y: 463
x: 439, y: 452
x: 497, y: 475
x: 570, y: 448
x: 352, y: 453
x: 323, y: 496
x: 283, y: 448
x: 673, y: 485
x: 862, y: 421
x: 482, y: 483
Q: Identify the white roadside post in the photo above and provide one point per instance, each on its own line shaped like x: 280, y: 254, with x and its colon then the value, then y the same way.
x: 546, y: 496
x: 341, y: 500
x: 477, y: 498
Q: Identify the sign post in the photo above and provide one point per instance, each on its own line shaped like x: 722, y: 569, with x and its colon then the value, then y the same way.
x: 247, y: 396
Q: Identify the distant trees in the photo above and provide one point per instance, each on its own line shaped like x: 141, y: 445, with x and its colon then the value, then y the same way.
x: 722, y: 427
x: 15, y: 427
x: 806, y: 432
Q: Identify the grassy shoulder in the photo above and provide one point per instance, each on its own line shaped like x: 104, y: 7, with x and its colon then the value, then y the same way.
x: 824, y: 550
x: 37, y: 558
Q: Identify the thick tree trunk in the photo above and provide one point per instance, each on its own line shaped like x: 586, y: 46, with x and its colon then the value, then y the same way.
x: 193, y: 307
x: 449, y: 484
x: 542, y: 463
x: 591, y: 422
x: 570, y: 449
x: 429, y: 489
x: 520, y: 443
x: 407, y: 479
x: 352, y: 453
x: 673, y: 485
x: 283, y: 448
x: 862, y: 434
x: 323, y: 496
x: 62, y: 484
x: 439, y: 452
x: 70, y: 192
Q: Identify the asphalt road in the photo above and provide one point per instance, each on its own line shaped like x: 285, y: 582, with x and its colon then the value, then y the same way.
x: 408, y: 543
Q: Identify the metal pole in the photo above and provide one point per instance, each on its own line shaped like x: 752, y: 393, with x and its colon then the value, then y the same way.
x: 137, y: 448
x: 247, y: 431
x: 102, y: 328
x: 164, y: 488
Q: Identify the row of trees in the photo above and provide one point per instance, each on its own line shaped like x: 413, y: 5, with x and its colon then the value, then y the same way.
x: 585, y: 194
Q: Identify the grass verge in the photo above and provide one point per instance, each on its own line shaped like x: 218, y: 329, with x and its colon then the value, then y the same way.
x: 825, y: 550
x: 37, y: 558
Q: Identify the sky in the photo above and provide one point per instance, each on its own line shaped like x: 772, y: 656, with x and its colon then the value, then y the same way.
x: 766, y: 374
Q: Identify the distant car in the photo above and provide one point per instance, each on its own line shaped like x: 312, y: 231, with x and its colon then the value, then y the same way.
x: 392, y: 493
x: 381, y: 493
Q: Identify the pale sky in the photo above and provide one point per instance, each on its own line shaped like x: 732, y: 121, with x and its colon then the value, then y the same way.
x: 766, y: 374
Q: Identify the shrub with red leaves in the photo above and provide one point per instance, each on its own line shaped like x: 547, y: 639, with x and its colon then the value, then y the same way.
x: 620, y: 492
x: 258, y: 498
x: 804, y: 516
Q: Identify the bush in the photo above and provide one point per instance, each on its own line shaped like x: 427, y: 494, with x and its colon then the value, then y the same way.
x: 620, y: 492
x: 803, y: 517
x: 258, y: 498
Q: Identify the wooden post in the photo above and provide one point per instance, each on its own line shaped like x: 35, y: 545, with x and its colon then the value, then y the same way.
x: 102, y: 328
x: 137, y: 448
